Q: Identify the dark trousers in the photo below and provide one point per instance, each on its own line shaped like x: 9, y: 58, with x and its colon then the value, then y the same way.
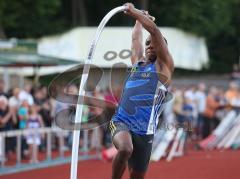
x: 209, y: 124
x: 199, y: 127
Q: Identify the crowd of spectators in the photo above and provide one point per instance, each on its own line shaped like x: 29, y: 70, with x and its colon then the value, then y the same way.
x: 30, y: 108
x: 204, y: 107
x: 26, y: 108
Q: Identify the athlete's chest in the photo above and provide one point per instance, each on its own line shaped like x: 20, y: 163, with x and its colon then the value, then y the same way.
x: 145, y: 72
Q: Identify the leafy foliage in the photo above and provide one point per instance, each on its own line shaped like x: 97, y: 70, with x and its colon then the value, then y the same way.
x: 28, y: 18
x: 217, y: 20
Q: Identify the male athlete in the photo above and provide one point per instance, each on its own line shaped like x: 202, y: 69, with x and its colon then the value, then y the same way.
x: 144, y: 94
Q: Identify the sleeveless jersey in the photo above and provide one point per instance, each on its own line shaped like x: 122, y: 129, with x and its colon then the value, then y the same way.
x: 142, y: 100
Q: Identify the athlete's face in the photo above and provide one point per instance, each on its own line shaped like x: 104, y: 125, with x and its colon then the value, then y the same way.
x: 150, y: 52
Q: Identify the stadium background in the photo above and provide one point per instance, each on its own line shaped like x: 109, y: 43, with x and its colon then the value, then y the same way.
x: 41, y: 39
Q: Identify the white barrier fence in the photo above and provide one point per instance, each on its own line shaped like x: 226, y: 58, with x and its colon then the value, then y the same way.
x: 225, y: 136
x: 49, y: 133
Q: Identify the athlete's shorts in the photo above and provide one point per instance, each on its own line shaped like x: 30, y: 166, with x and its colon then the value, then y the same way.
x: 142, y: 147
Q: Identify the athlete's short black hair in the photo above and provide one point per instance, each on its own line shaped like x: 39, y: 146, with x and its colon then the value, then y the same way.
x: 163, y: 38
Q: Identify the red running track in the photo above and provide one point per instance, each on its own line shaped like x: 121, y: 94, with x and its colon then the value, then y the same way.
x: 196, y: 165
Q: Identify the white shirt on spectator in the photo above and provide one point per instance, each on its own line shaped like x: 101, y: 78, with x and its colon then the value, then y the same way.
x: 190, y: 94
x: 14, y: 102
x: 23, y: 95
x: 201, y: 101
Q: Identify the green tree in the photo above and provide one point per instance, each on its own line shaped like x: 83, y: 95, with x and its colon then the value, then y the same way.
x: 2, y: 33
x: 224, y: 46
x: 216, y: 20
x: 28, y: 18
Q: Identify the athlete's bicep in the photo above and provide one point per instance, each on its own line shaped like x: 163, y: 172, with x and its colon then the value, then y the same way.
x: 137, y: 47
x: 163, y: 54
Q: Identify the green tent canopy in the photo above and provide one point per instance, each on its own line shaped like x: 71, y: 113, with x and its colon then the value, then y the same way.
x: 23, y: 59
x: 16, y: 53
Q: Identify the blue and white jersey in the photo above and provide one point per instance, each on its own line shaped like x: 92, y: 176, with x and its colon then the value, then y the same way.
x: 142, y: 100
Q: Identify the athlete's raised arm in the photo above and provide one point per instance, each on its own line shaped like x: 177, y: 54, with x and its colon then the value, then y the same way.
x: 137, y: 47
x: 163, y: 55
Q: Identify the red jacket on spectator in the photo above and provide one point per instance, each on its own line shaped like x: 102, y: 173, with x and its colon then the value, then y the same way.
x: 211, y: 107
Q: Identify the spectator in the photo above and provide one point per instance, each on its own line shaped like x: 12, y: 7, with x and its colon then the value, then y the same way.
x: 26, y: 94
x: 224, y: 106
x: 183, y: 109
x: 178, y: 103
x: 8, y: 122
x: 97, y: 116
x: 38, y: 98
x: 14, y: 100
x: 44, y: 92
x: 23, y: 114
x: 2, y: 88
x: 190, y: 94
x: 201, y: 106
x: 187, y: 113
x: 73, y: 90
x: 34, y: 138
x: 232, y: 92
x: 45, y: 112
x: 97, y: 111
x: 22, y: 124
x: 59, y: 105
x: 209, y: 117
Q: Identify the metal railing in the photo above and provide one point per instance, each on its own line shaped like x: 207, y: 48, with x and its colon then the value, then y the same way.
x: 49, y: 160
